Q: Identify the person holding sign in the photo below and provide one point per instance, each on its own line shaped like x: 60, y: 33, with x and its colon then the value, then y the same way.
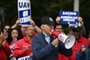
x: 80, y: 24
x: 24, y: 28
x: 23, y: 47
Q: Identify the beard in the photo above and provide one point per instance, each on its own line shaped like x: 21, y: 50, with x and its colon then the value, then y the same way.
x: 77, y: 37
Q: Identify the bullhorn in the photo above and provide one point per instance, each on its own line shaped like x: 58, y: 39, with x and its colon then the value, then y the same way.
x: 67, y: 40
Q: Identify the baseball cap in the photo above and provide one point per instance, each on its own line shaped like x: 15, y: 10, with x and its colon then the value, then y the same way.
x: 76, y: 29
x: 48, y: 21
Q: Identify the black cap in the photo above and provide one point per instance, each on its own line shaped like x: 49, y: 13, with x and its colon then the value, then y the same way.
x: 75, y: 29
x: 48, y: 21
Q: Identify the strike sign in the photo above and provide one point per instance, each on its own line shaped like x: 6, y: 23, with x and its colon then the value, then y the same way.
x: 24, y: 12
x: 25, y: 58
x: 69, y: 17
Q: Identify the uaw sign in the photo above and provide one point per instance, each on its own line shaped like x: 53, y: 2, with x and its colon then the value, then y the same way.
x: 24, y: 12
x: 69, y: 17
x: 25, y: 58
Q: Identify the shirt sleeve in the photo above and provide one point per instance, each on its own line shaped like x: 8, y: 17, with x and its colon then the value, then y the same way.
x: 18, y: 51
x: 7, y: 50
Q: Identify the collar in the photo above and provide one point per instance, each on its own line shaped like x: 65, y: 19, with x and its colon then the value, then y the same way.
x: 45, y: 34
x: 27, y: 40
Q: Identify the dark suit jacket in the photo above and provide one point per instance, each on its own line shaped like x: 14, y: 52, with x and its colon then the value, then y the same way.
x: 44, y: 51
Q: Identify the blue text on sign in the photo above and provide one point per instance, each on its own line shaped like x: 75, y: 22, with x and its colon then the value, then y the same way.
x: 24, y: 4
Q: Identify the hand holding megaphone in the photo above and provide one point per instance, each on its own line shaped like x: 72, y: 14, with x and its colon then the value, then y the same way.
x: 55, y: 42
x: 67, y: 40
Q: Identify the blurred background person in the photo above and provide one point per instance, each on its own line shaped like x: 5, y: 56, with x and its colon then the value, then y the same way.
x: 79, y: 43
x: 6, y: 28
x: 59, y: 28
x: 70, y: 30
x: 80, y: 24
x: 23, y: 47
x: 12, y: 39
x: 4, y: 49
x: 22, y: 29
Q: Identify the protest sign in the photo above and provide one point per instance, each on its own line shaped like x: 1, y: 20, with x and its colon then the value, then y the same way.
x: 69, y: 17
x: 24, y: 12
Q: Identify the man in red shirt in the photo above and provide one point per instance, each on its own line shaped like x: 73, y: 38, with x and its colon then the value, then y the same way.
x: 23, y: 47
x: 80, y: 42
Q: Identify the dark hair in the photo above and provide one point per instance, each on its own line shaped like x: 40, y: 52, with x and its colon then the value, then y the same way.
x: 77, y: 29
x: 58, y: 25
x: 9, y: 39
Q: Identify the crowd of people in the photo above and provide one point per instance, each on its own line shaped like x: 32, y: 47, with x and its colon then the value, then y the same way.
x: 38, y: 43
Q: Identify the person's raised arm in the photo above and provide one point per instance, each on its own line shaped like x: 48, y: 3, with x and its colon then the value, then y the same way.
x: 16, y: 24
x: 57, y: 19
x: 36, y: 27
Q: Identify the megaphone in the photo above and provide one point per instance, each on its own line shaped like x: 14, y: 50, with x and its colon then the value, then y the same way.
x: 67, y: 40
